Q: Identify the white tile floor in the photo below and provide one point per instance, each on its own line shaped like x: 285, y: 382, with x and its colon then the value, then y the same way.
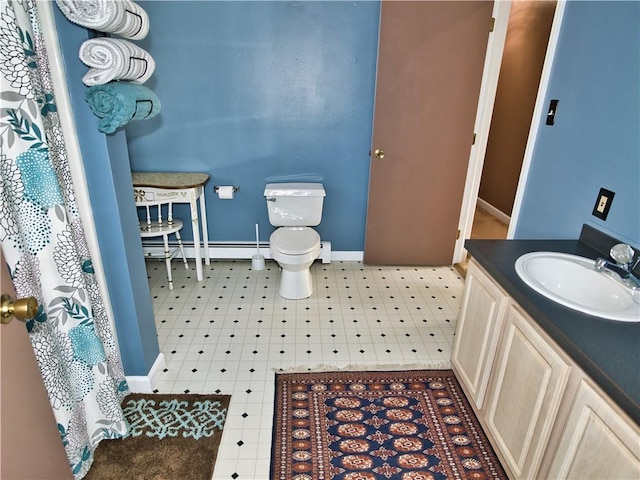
x: 232, y: 331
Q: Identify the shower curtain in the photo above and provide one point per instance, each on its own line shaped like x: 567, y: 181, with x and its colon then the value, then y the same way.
x: 44, y: 244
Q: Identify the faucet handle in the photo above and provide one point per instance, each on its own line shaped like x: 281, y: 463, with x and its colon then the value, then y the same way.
x: 622, y: 254
x: 600, y: 264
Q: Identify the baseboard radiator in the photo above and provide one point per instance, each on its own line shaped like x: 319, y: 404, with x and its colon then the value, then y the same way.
x: 230, y: 250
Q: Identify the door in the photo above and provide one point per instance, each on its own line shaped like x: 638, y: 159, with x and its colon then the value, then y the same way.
x: 430, y: 64
x: 477, y: 333
x: 598, y: 441
x: 525, y: 389
x: 30, y: 445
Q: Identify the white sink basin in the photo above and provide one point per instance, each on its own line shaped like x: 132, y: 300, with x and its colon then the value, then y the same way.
x: 572, y: 281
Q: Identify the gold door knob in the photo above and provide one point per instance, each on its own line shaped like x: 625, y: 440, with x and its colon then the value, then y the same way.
x: 23, y: 308
x: 379, y: 153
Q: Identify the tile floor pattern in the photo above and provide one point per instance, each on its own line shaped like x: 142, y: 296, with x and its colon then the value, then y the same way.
x: 231, y: 332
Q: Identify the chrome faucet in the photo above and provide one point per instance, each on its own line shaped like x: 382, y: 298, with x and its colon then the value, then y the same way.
x: 623, y: 269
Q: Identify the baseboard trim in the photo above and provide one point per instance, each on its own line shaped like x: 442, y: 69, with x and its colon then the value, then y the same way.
x: 347, y: 256
x: 491, y: 210
x: 246, y: 250
x: 147, y: 384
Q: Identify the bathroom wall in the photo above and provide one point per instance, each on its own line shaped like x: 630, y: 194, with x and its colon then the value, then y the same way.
x: 595, y: 141
x: 106, y: 165
x: 255, y: 92
x: 524, y: 53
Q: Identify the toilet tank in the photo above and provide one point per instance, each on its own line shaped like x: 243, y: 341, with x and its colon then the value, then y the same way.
x: 294, y: 204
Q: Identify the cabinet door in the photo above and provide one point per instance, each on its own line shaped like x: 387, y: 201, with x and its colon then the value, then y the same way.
x: 524, y: 394
x: 477, y: 332
x: 598, y: 442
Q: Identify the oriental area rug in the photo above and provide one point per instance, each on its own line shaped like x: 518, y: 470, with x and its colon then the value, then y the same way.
x: 170, y: 436
x: 402, y: 425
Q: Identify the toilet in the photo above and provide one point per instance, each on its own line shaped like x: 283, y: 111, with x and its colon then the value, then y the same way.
x: 295, y: 208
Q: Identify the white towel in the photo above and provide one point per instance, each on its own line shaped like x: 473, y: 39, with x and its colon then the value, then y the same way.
x: 124, y: 18
x: 115, y: 59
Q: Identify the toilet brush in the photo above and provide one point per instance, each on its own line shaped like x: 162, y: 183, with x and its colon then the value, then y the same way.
x: 257, y: 261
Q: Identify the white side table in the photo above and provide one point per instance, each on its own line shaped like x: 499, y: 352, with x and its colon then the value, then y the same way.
x: 179, y: 187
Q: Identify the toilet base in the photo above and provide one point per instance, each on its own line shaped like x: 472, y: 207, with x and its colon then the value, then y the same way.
x: 295, y: 285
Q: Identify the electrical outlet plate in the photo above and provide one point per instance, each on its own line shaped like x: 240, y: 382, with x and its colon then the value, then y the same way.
x: 603, y: 204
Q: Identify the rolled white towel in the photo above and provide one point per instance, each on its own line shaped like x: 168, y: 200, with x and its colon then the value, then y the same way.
x: 120, y: 17
x: 136, y: 22
x: 115, y: 59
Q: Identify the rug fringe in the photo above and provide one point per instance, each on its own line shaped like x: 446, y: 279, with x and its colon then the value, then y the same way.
x: 446, y: 365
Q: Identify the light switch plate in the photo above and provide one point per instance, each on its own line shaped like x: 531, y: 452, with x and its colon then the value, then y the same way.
x: 603, y: 203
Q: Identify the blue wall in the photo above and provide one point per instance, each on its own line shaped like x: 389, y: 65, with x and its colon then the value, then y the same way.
x: 108, y: 174
x: 595, y: 141
x: 254, y: 92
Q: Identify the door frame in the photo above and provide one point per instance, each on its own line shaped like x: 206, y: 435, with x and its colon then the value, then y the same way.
x: 483, y: 121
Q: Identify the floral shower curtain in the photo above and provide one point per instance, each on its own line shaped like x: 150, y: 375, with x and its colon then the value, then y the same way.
x: 43, y: 243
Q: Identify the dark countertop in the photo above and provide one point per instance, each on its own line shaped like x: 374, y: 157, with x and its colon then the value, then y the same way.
x: 607, y: 350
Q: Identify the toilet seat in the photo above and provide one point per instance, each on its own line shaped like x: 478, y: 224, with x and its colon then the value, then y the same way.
x: 295, y: 240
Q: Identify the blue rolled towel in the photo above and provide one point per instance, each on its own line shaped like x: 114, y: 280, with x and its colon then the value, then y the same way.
x: 117, y: 103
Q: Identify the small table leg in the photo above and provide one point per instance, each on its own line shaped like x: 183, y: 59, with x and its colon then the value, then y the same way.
x: 195, y: 224
x: 205, y: 230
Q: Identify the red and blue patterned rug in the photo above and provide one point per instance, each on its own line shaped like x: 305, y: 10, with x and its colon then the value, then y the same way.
x: 396, y: 425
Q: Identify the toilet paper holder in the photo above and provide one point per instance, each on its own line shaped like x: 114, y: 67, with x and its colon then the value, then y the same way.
x: 217, y: 187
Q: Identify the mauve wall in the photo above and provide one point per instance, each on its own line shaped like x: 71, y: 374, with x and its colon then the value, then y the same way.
x: 524, y: 53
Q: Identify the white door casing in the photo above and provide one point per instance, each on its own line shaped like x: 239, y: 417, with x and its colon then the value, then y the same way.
x: 483, y: 122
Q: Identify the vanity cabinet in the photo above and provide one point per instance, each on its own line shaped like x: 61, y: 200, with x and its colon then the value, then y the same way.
x: 544, y: 417
x: 480, y: 319
x: 597, y: 441
x: 526, y: 386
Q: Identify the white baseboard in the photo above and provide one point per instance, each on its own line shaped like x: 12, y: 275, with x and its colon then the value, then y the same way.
x: 347, y: 256
x: 246, y: 250
x: 491, y: 210
x: 147, y: 384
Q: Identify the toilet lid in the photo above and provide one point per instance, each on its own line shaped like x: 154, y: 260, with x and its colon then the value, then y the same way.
x: 295, y: 240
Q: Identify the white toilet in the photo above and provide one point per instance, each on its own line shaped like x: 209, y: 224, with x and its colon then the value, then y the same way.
x: 295, y: 208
